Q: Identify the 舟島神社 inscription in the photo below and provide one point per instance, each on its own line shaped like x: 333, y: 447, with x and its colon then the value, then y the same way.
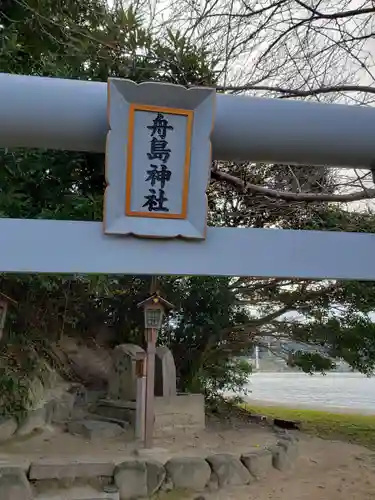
x: 158, y: 175
x: 158, y: 159
x: 158, y: 163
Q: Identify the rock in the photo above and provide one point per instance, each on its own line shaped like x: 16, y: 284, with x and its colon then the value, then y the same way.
x: 137, y: 479
x: 79, y: 392
x: 8, y: 427
x: 60, y: 410
x: 188, y: 473
x: 36, y: 393
x: 58, y: 469
x: 155, y: 476
x: 213, y: 483
x: 35, y: 420
x: 110, y: 488
x: 167, y: 485
x: 131, y: 479
x: 290, y: 447
x: 280, y: 459
x: 286, y: 435
x: 229, y: 470
x: 14, y: 484
x: 92, y: 365
x: 258, y: 463
x: 95, y: 429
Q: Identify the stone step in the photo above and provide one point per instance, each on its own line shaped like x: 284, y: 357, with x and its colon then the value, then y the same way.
x: 64, y: 496
x: 103, y: 418
x: 117, y: 403
x: 78, y: 493
x: 122, y: 411
x: 54, y: 468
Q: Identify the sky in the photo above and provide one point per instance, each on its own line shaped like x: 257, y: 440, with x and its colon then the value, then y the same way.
x: 163, y: 11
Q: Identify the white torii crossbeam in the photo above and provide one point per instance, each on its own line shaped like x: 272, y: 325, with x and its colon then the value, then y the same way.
x: 47, y: 246
x: 71, y: 115
x: 53, y: 113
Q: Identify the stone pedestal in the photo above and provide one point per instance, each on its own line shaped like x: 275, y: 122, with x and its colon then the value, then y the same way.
x: 181, y: 412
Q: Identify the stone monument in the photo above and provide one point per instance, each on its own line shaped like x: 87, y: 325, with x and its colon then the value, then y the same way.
x: 122, y: 383
x: 165, y: 373
x: 173, y: 411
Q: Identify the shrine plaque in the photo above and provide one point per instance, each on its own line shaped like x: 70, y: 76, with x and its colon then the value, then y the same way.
x: 158, y: 159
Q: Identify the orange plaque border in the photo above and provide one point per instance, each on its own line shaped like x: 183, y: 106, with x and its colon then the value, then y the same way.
x: 129, y: 164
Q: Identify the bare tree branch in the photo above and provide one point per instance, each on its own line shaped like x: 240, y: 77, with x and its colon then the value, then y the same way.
x: 307, y: 197
x: 299, y: 93
x: 259, y: 321
x: 337, y: 15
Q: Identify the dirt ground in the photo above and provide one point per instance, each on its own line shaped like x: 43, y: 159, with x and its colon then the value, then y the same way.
x: 325, y: 470
x: 217, y: 437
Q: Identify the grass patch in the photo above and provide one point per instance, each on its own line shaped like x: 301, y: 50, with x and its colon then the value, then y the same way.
x: 351, y: 427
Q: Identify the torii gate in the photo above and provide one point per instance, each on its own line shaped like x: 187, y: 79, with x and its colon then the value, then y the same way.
x: 72, y: 115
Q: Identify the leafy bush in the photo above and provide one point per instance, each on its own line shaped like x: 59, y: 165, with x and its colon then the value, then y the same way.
x: 14, y: 397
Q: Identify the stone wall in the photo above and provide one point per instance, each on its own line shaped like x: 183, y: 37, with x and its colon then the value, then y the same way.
x: 180, y: 412
x: 137, y: 477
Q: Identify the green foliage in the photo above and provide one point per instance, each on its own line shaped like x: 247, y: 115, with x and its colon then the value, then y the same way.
x: 229, y: 374
x: 200, y: 334
x: 14, y: 399
x: 336, y: 219
x: 311, y: 362
x: 217, y: 320
x: 21, y: 361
